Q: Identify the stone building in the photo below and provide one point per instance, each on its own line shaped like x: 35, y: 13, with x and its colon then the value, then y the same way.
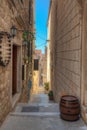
x: 13, y: 14
x: 44, y: 66
x: 35, y: 76
x: 28, y: 52
x: 39, y: 54
x: 48, y: 55
x: 40, y: 70
x: 37, y: 70
x: 68, y: 49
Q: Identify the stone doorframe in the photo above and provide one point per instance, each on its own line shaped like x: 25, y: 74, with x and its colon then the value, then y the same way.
x: 15, y: 98
x: 84, y: 56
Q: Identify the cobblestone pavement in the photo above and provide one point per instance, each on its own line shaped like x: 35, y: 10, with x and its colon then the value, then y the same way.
x: 48, y: 117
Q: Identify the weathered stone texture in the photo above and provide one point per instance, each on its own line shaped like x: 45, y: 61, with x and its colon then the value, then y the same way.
x: 66, y: 42
x: 6, y: 20
x: 5, y: 24
x: 5, y: 103
x: 15, y: 13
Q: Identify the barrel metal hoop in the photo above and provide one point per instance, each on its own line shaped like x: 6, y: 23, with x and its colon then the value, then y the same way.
x: 69, y: 107
x: 70, y: 114
x: 62, y: 98
x: 69, y: 101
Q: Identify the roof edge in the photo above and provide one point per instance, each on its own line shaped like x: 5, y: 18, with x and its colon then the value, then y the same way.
x: 49, y: 11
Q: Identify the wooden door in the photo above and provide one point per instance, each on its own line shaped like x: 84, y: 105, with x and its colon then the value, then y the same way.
x: 14, y: 68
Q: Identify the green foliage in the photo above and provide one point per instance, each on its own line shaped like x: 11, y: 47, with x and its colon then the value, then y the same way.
x: 25, y: 35
x: 46, y: 86
x: 28, y: 36
x: 50, y: 94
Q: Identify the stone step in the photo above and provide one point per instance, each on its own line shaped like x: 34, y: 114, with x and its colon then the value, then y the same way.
x: 48, y: 107
x: 39, y: 98
x: 36, y: 114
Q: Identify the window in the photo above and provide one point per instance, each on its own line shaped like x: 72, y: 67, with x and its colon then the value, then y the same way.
x: 36, y: 64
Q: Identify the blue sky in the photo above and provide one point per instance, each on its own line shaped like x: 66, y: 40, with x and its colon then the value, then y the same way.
x: 42, y: 8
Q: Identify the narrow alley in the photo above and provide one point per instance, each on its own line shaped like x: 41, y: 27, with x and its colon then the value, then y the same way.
x: 43, y: 64
x: 39, y: 114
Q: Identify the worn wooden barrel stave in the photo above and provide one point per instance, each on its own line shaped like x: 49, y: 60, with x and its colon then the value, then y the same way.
x: 69, y: 108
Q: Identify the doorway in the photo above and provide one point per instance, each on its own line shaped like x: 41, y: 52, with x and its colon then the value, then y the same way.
x: 14, y: 71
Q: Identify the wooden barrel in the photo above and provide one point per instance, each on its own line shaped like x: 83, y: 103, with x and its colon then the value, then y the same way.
x: 69, y: 108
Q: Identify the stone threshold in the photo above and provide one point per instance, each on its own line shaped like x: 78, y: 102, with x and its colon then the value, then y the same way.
x: 15, y: 99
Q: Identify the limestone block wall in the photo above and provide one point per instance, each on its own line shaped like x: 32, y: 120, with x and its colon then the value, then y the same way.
x: 6, y: 22
x: 35, y: 82
x: 67, y: 47
x: 5, y: 102
x: 5, y: 73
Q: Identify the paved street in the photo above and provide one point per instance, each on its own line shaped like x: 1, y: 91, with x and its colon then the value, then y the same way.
x: 47, y: 117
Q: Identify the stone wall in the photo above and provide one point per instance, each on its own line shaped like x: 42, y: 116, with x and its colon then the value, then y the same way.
x: 19, y: 14
x: 5, y: 73
x: 5, y: 102
x: 44, y: 66
x: 35, y: 81
x: 66, y: 47
x: 6, y: 22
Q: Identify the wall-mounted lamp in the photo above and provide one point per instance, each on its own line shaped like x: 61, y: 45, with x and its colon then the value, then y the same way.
x: 13, y: 31
x: 9, y: 35
x: 26, y: 34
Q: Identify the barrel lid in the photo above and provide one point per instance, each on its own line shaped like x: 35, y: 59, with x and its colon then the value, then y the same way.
x: 69, y: 98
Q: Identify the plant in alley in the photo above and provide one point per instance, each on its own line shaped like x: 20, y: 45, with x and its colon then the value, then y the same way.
x: 46, y: 86
x: 50, y: 94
